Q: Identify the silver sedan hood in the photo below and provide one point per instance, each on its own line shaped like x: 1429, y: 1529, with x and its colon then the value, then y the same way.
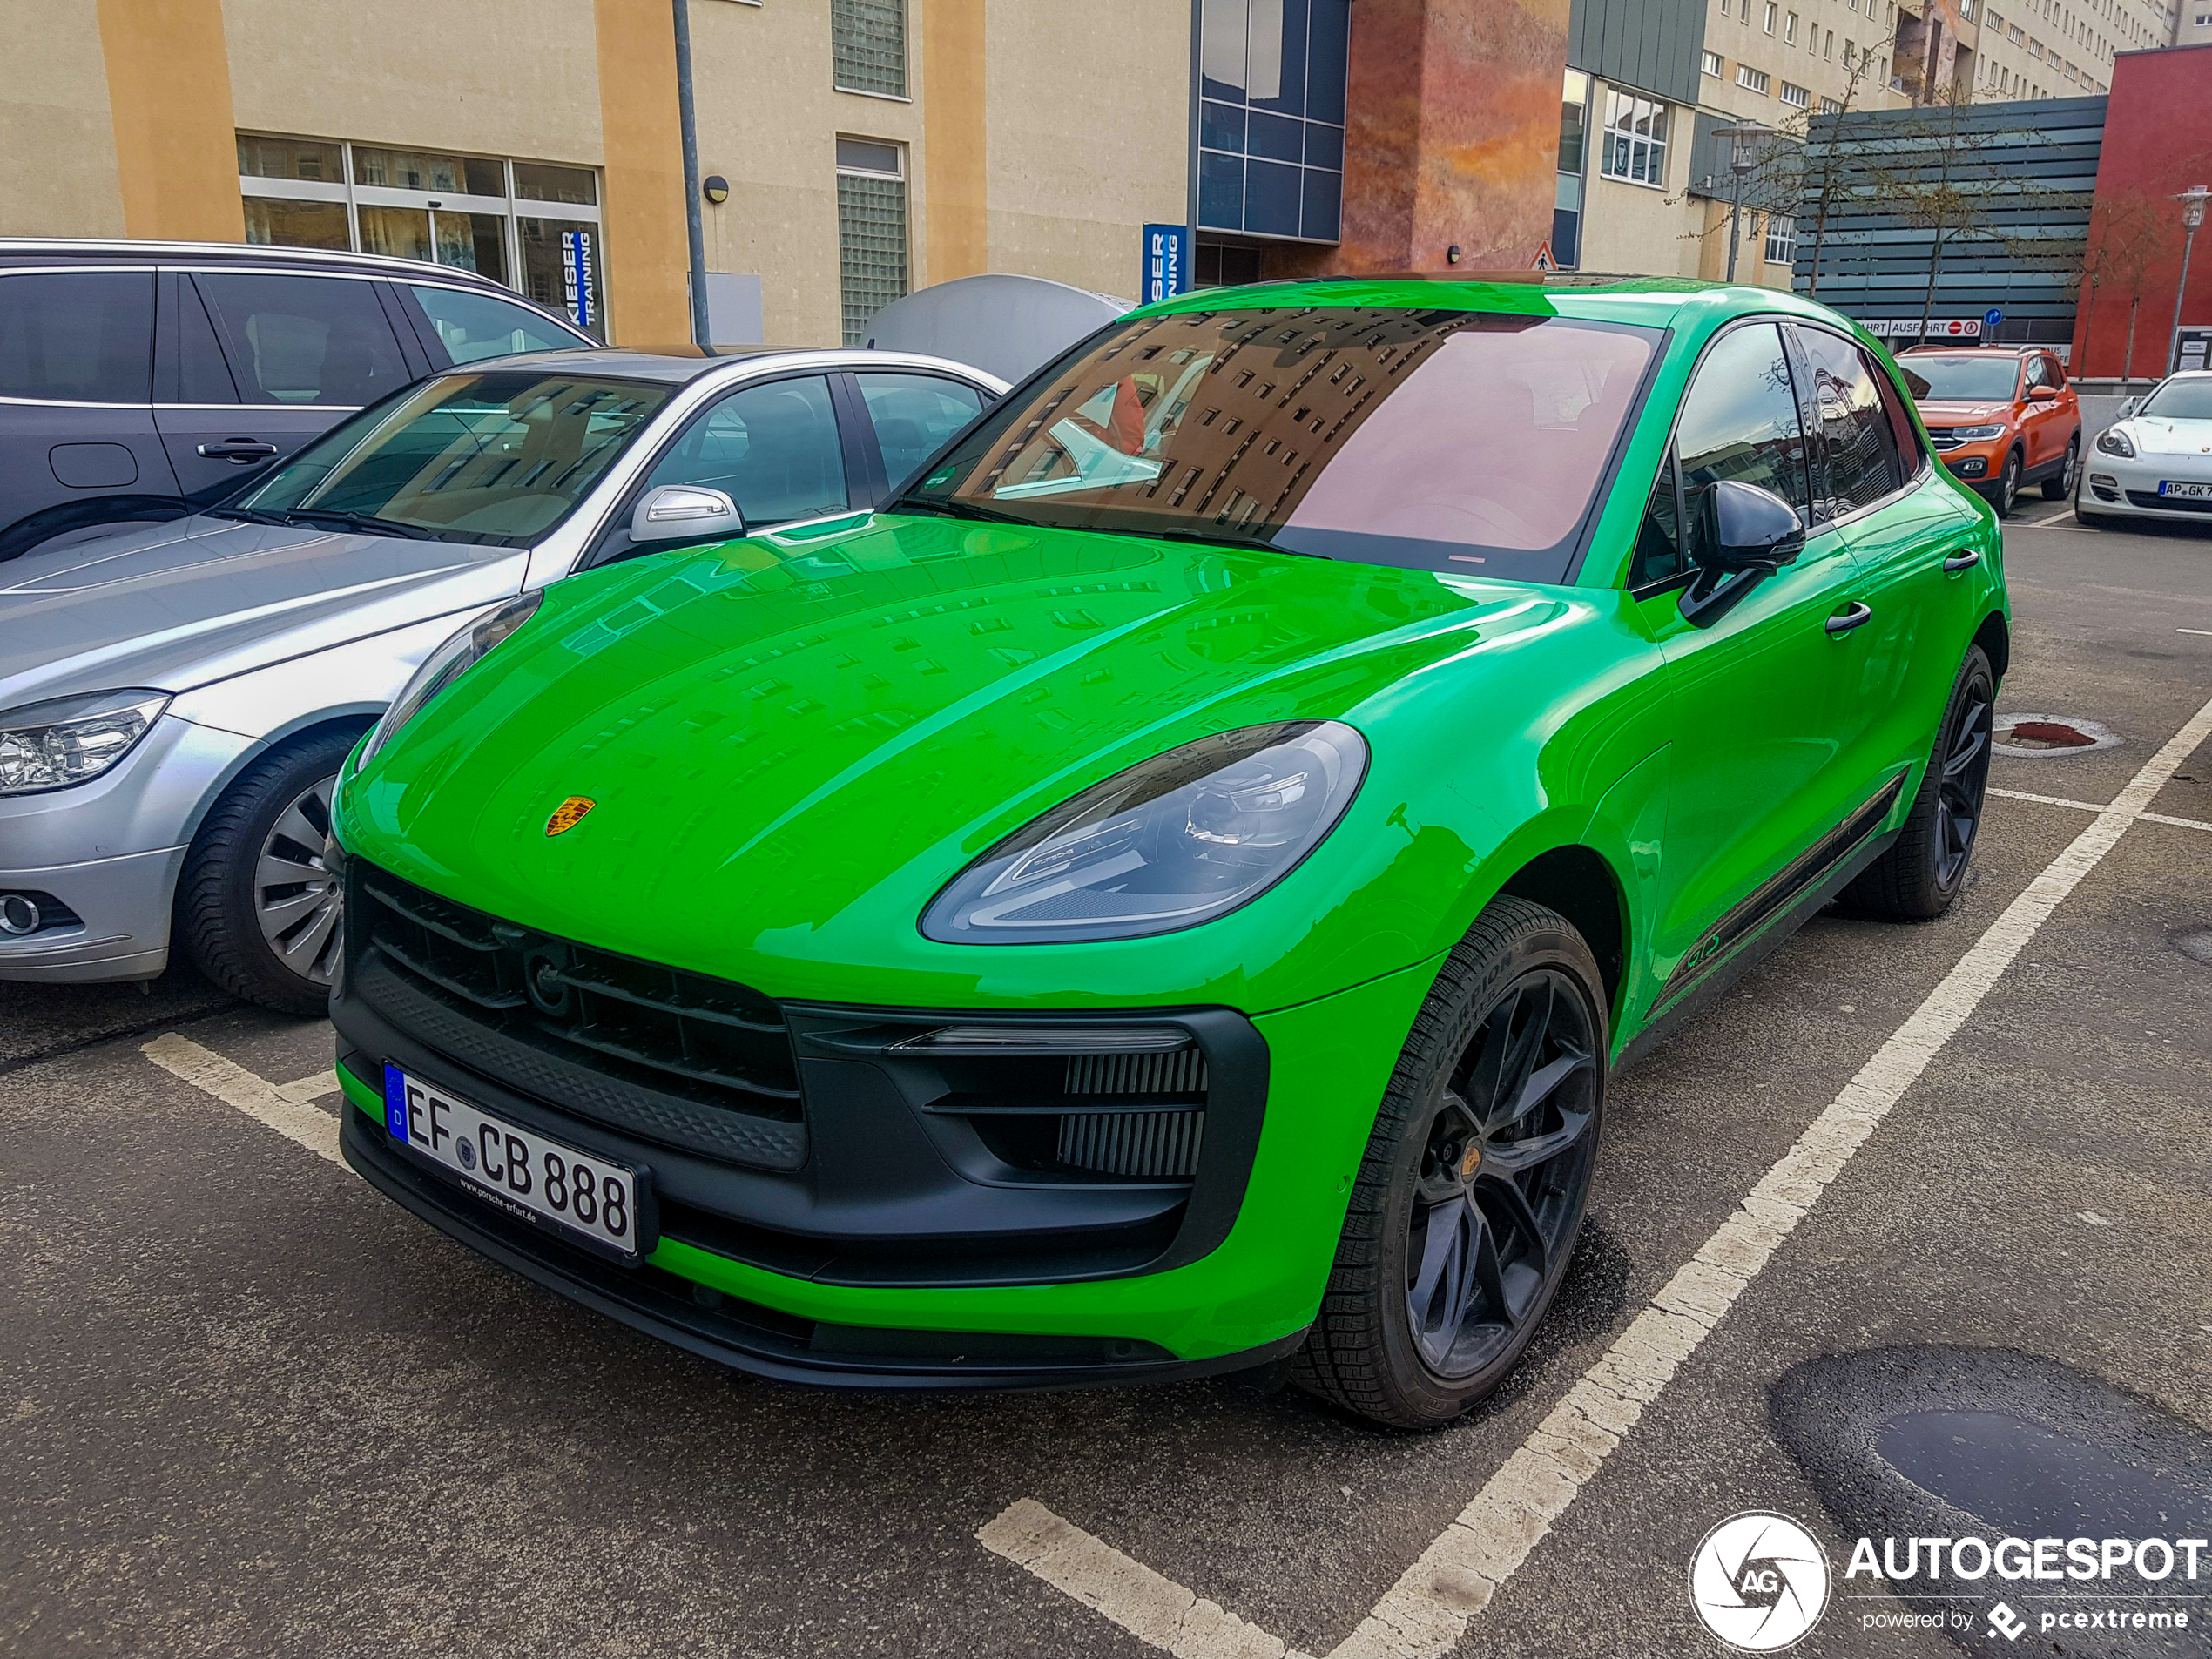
x: 2156, y: 436
x: 183, y: 605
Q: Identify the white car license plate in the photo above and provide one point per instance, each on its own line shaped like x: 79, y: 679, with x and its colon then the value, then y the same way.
x: 2185, y: 492
x: 521, y: 1171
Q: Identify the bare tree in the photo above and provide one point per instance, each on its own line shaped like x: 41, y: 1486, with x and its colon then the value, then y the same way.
x: 2127, y: 238
x: 1823, y: 181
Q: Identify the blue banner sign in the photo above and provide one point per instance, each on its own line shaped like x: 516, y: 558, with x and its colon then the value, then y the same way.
x: 1167, y: 263
x: 575, y: 275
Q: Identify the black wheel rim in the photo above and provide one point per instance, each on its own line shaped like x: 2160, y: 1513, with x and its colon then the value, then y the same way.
x: 1958, y: 790
x: 1503, y: 1170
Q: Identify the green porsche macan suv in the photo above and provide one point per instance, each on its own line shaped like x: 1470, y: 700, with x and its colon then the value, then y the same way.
x: 1166, y: 895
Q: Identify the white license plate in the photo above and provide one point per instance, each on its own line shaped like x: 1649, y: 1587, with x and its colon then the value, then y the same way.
x: 521, y: 1171
x: 2185, y: 492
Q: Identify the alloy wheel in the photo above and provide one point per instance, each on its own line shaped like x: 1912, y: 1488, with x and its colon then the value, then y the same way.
x: 297, y: 900
x: 2073, y: 467
x: 2008, y: 484
x: 1959, y: 791
x: 1502, y: 1172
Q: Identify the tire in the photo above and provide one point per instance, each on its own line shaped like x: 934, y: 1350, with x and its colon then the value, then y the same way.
x: 1922, y: 873
x: 2060, y: 488
x: 236, y: 926
x: 2006, y: 493
x: 1520, y: 997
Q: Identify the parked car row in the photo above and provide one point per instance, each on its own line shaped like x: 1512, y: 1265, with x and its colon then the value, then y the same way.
x: 2155, y: 461
x: 235, y: 649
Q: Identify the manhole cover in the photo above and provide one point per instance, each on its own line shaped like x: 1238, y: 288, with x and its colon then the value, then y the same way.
x: 2035, y: 735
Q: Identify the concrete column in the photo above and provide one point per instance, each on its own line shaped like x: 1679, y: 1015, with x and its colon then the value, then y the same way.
x: 169, y: 94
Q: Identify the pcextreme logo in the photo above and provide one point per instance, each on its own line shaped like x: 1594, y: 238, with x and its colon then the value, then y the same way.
x: 1759, y: 1582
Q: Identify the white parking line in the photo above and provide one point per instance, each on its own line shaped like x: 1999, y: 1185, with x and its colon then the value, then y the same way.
x: 1426, y: 1613
x: 2046, y: 524
x: 281, y: 1106
x: 2092, y: 807
x: 2207, y: 633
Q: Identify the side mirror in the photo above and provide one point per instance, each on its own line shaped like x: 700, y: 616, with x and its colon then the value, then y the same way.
x: 2127, y: 406
x: 2041, y: 393
x: 1749, y: 533
x: 684, y: 512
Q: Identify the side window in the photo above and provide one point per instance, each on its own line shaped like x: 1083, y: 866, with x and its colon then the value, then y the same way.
x: 912, y: 414
x: 1860, y: 450
x: 303, y: 339
x: 1910, y: 454
x: 1740, y: 421
x: 80, y: 336
x: 1659, y: 551
x: 773, y: 449
x: 475, y: 326
x: 202, y: 375
x: 2037, y: 376
x: 2054, y: 371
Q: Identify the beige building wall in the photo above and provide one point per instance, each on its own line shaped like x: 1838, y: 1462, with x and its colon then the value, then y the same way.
x: 1639, y: 229
x: 57, y: 170
x: 1088, y: 115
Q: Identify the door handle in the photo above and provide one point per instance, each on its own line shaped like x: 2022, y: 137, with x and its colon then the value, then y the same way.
x: 1965, y: 559
x: 1857, y: 616
x: 238, y: 449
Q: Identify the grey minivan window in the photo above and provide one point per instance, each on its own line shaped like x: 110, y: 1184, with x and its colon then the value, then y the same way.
x: 475, y: 326
x: 79, y: 337
x: 487, y: 457
x: 304, y: 339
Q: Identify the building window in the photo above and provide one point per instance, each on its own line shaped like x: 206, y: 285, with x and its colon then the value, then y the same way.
x: 1767, y: 17
x: 1270, y: 117
x: 1574, y: 141
x: 1831, y: 107
x: 1753, y: 79
x: 1636, y: 140
x: 530, y: 226
x: 1711, y: 62
x: 1781, y: 238
x: 1790, y: 30
x: 871, y: 230
x: 868, y: 46
x: 1797, y: 97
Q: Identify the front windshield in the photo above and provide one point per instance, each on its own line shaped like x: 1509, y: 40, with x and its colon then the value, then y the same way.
x: 494, y: 458
x: 2189, y: 400
x: 1966, y: 379
x: 1431, y: 439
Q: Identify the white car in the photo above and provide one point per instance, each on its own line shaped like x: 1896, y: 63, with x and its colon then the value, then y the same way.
x: 2156, y: 461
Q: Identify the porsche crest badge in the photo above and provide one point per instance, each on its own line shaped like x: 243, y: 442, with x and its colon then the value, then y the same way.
x: 568, y: 814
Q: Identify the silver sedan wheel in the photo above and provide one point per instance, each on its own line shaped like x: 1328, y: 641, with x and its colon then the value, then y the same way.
x: 296, y: 898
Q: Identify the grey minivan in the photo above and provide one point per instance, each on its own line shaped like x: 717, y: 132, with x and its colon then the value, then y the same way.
x: 139, y: 378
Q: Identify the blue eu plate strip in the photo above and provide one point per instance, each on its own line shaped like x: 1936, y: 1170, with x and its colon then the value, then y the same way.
x: 394, y: 1103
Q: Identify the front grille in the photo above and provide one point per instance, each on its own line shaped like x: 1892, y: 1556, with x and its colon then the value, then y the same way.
x: 1181, y: 1072
x: 1144, y: 1146
x: 1941, y: 436
x: 2167, y: 503
x: 696, y: 1061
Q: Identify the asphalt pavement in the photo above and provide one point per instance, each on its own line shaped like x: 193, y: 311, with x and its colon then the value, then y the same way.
x: 1913, y: 1227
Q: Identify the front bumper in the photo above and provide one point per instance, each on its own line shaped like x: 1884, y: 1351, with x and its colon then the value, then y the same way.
x: 2127, y: 486
x: 874, y: 1247
x: 105, y: 855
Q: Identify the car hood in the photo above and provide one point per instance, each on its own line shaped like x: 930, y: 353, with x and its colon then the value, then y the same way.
x: 1944, y: 412
x: 790, y: 746
x: 176, y: 605
x: 2152, y: 436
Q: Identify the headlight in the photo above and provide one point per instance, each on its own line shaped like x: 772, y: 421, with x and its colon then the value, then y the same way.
x: 1171, y: 842
x: 2116, y: 442
x: 69, y: 739
x: 1971, y: 434
x: 466, y: 648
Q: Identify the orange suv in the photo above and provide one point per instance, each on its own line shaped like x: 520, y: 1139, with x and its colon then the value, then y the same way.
x: 1999, y: 417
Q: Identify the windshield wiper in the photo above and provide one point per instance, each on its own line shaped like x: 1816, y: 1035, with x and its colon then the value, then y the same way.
x: 946, y: 509
x: 1224, y: 538
x: 374, y: 526
x: 244, y: 515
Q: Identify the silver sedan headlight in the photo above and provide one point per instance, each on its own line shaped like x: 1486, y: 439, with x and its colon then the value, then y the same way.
x: 2116, y: 442
x: 71, y: 739
x: 1173, y: 841
x: 466, y: 646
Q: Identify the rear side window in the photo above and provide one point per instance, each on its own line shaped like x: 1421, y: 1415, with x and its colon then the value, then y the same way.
x: 77, y: 336
x: 1859, y: 448
x: 472, y: 327
x: 303, y: 339
x: 912, y: 416
x: 1910, y: 454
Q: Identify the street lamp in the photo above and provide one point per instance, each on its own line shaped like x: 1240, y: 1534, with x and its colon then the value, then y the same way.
x: 1747, y: 143
x: 2192, y: 200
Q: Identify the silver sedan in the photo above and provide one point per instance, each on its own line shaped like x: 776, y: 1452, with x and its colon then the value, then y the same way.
x: 2156, y: 462
x: 175, y: 699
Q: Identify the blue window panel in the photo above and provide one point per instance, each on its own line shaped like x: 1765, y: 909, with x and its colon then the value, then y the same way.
x: 1323, y: 145
x: 1271, y: 193
x: 1329, y: 35
x: 1276, y: 137
x: 1221, y: 191
x: 1291, y: 100
x: 1323, y: 217
x: 1566, y: 236
x: 1221, y: 126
